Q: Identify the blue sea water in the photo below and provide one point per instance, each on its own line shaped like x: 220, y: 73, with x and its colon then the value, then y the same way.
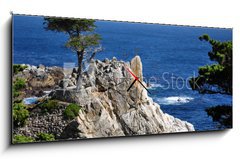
x: 170, y: 55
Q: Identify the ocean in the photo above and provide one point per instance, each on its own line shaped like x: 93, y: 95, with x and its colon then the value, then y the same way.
x: 170, y: 56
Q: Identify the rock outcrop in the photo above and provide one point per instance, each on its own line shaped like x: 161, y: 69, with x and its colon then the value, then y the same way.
x: 108, y: 109
x: 40, y: 79
x: 136, y: 67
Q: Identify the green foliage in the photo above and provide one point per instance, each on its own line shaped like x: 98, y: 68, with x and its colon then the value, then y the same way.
x: 26, y: 139
x: 20, y: 114
x: 82, y: 39
x: 80, y: 43
x: 71, y: 26
x: 22, y: 139
x: 45, y: 137
x: 71, y: 111
x: 49, y: 105
x: 207, y: 70
x: 219, y: 74
x: 18, y: 101
x: 221, y: 52
x: 19, y: 84
x: 18, y: 68
x: 204, y: 37
x: 80, y: 31
x: 15, y: 93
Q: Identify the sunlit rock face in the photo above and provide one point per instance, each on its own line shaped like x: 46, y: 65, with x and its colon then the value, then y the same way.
x: 109, y: 110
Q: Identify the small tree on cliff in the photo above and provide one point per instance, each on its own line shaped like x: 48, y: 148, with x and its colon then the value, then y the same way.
x: 215, y: 75
x: 82, y: 39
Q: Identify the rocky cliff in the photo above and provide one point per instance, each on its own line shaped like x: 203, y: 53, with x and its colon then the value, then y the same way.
x: 108, y: 109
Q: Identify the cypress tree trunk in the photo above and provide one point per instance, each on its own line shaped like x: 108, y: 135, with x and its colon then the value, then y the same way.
x: 79, y: 76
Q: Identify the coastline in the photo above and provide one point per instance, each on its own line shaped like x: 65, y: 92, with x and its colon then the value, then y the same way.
x: 118, y: 113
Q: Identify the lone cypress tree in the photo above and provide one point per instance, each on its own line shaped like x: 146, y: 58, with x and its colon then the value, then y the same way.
x: 82, y: 39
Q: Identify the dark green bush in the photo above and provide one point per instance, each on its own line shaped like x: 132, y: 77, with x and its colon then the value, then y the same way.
x: 20, y: 114
x: 16, y: 93
x: 18, y: 68
x: 22, y: 139
x: 71, y: 111
x: 204, y: 37
x: 45, y: 137
x: 216, y: 75
x: 19, y: 84
x: 49, y: 105
x: 17, y: 101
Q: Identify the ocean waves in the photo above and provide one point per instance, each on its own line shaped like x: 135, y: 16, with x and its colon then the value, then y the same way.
x: 174, y: 100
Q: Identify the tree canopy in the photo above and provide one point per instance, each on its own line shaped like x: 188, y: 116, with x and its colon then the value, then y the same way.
x: 215, y: 78
x: 72, y: 26
x: 80, y: 31
x: 82, y: 38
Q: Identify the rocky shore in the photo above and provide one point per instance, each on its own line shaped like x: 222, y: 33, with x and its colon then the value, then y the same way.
x: 107, y: 108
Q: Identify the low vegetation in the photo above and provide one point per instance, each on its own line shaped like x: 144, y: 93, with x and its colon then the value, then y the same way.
x: 26, y: 139
x: 18, y: 85
x: 71, y: 111
x: 45, y: 137
x: 18, y: 68
x: 22, y: 139
x: 16, y: 93
x: 49, y: 105
x: 20, y: 114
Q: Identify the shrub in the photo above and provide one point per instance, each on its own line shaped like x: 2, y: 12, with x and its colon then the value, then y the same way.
x: 19, y: 83
x: 22, y: 139
x: 204, y: 37
x: 16, y: 93
x: 71, y: 111
x: 49, y: 105
x: 18, y: 68
x: 45, y: 137
x: 20, y: 114
x: 17, y: 101
x: 218, y: 75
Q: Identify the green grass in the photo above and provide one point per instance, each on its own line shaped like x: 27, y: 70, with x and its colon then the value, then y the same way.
x: 16, y: 93
x: 49, y: 105
x: 71, y: 111
x: 20, y: 114
x: 19, y: 84
x: 40, y: 137
x: 45, y: 137
x: 22, y: 139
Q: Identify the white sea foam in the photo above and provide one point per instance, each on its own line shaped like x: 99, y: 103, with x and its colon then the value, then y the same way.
x: 154, y: 86
x: 174, y: 100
